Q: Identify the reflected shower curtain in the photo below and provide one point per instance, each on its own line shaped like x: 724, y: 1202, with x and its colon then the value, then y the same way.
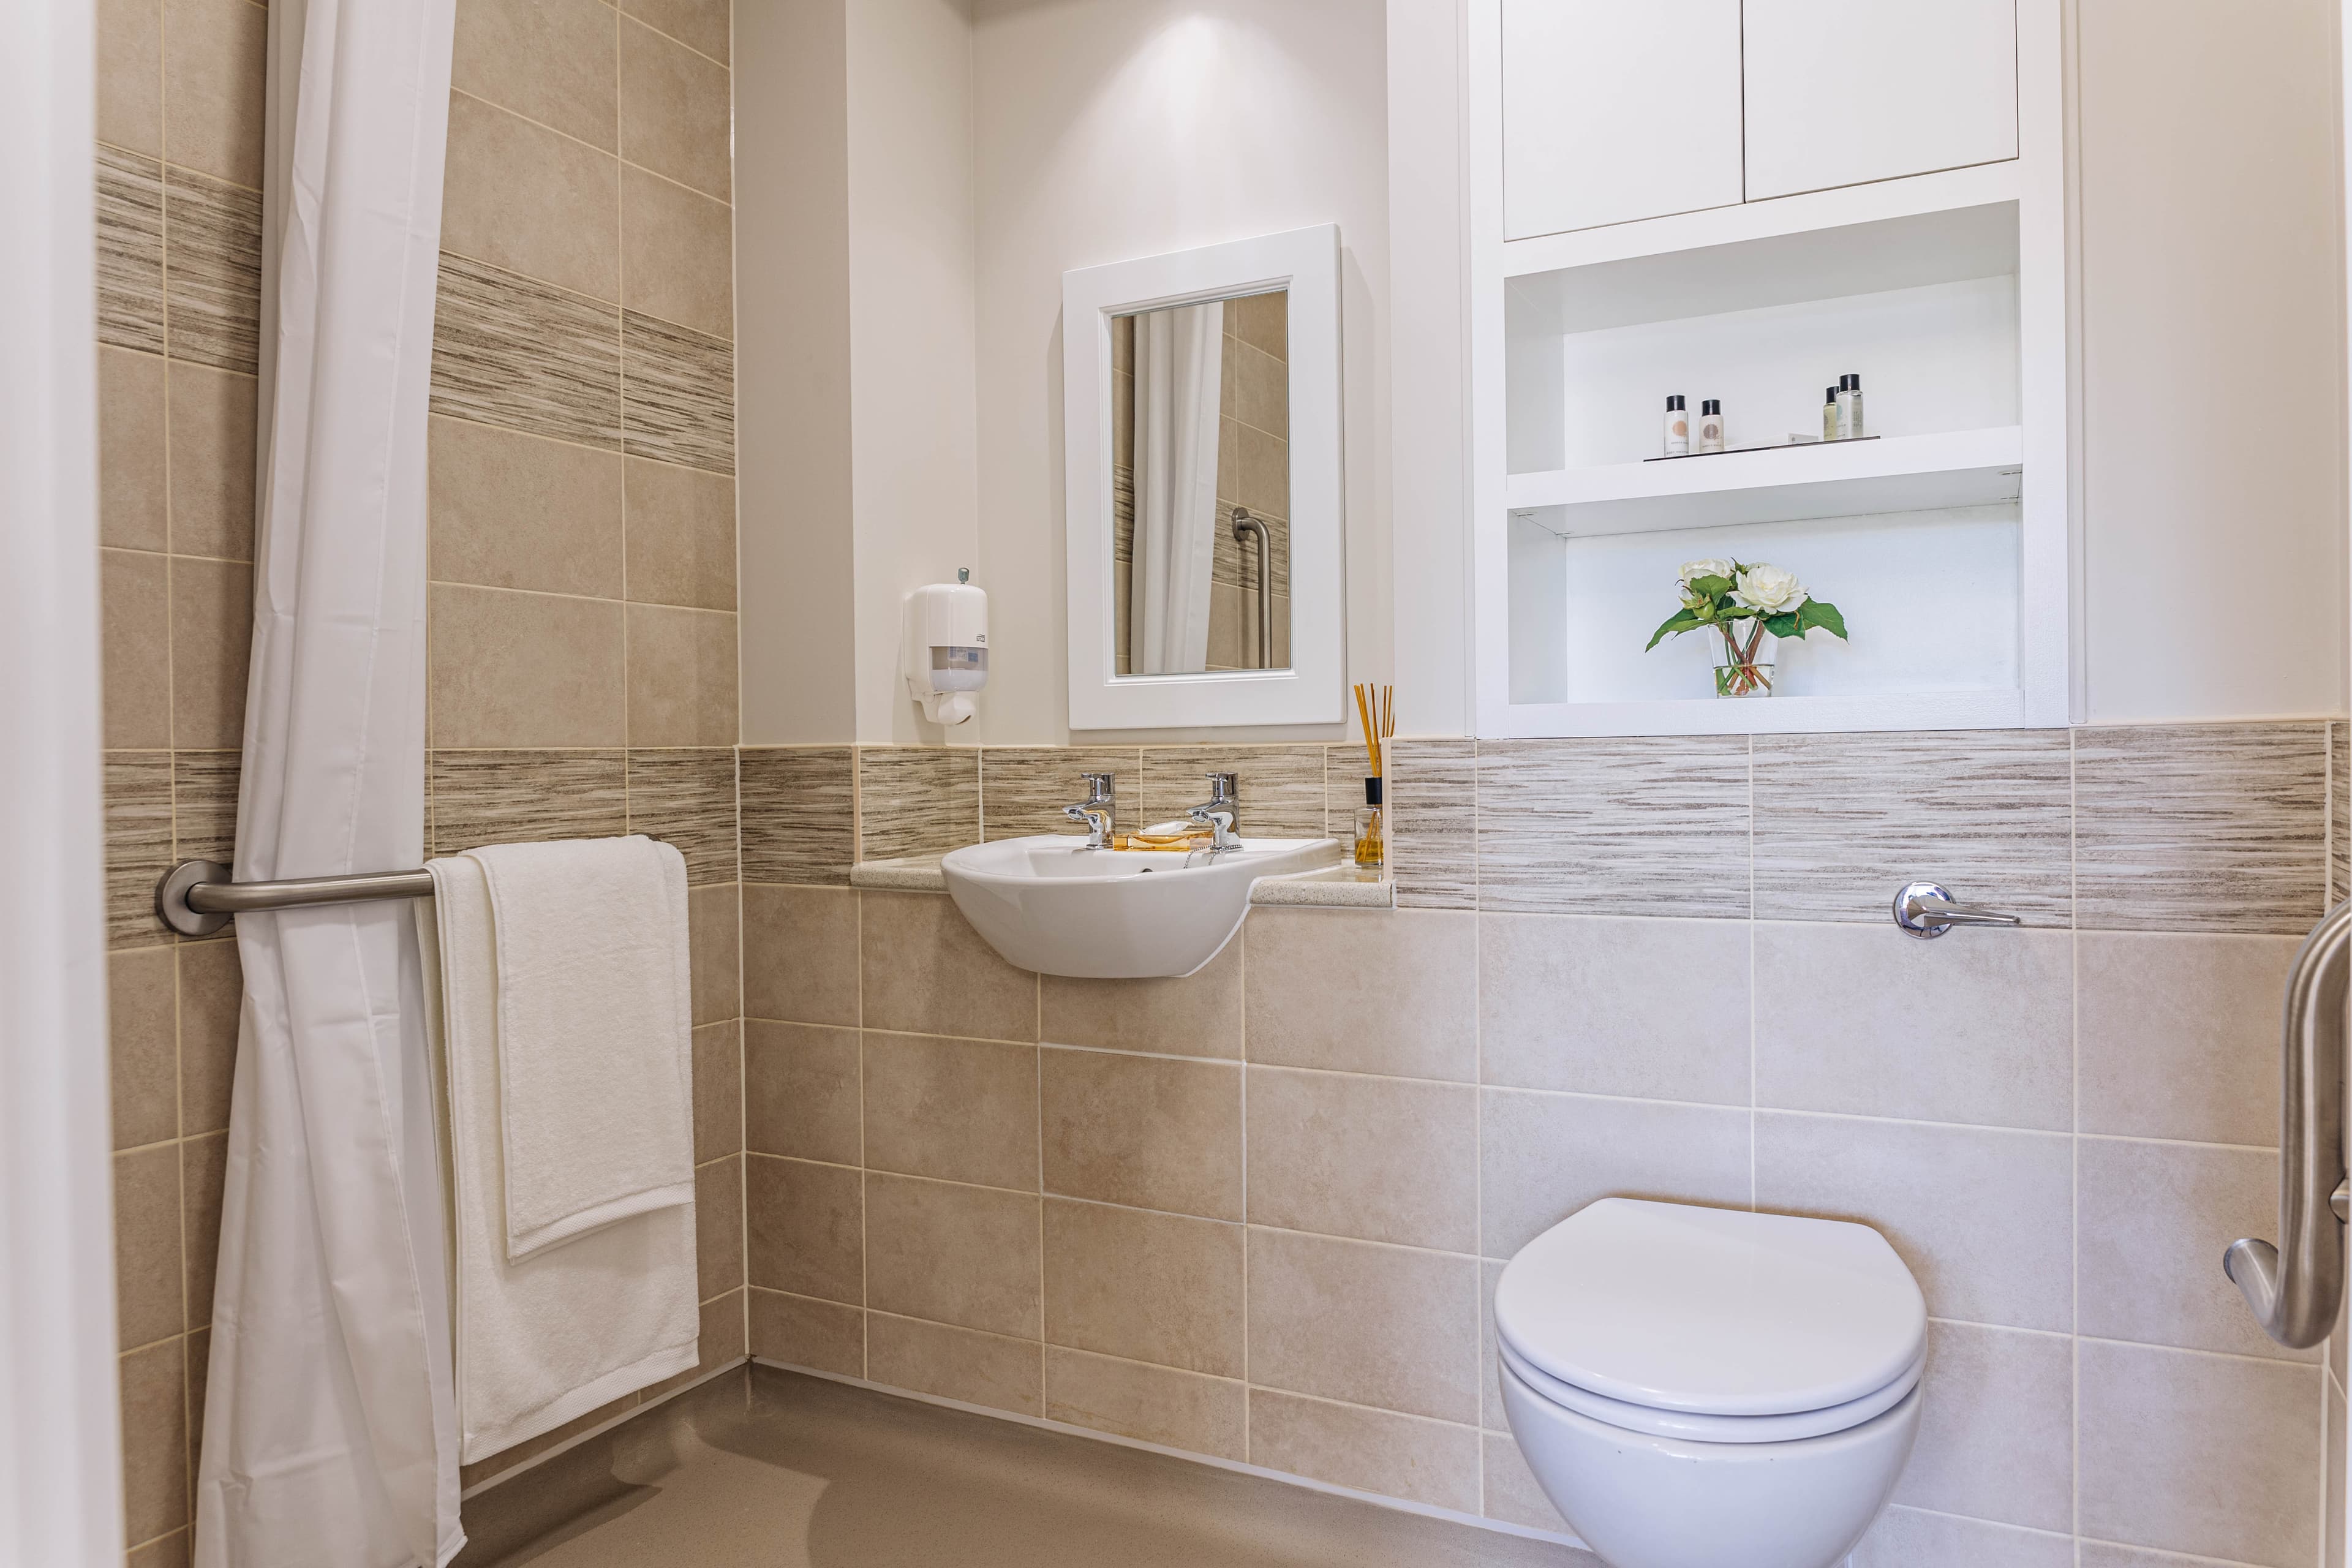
x: 330, y: 1436
x: 1179, y: 373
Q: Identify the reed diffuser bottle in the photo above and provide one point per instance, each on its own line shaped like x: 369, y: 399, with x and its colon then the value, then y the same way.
x: 1376, y: 709
x: 1371, y: 838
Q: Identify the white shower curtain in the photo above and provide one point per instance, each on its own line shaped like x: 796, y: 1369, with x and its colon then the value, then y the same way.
x: 1179, y: 373
x: 329, y: 1434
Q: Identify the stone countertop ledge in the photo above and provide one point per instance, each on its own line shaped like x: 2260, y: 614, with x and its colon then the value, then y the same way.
x: 1326, y: 887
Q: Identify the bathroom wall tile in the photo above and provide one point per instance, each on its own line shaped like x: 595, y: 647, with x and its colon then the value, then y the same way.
x: 1512, y: 1493
x: 715, y: 951
x: 2215, y: 1455
x: 130, y: 84
x: 916, y: 800
x: 215, y: 55
x: 1378, y: 992
x: 130, y: 273
x: 723, y: 1340
x: 525, y: 670
x: 719, y: 1227
x: 1145, y: 1131
x: 2152, y: 1218
x: 1371, y: 1450
x: 1491, y: 1414
x: 1996, y: 1427
x: 200, y: 1344
x: 2340, y: 812
x: 1149, y: 1286
x: 801, y: 1330
x: 801, y: 1091
x: 203, y: 804
x: 211, y: 461
x: 799, y: 807
x: 204, y: 1181
x: 544, y: 59
x: 2178, y: 1034
x: 687, y: 798
x: 142, y: 1047
x: 925, y: 972
x: 1431, y: 790
x: 522, y: 355
x: 700, y: 24
x: 147, y: 1270
x: 1545, y: 1156
x: 806, y: 1228
x: 682, y: 676
x: 212, y: 635
x: 173, y: 1550
x: 2333, y: 1545
x: 1022, y: 789
x: 1840, y: 1011
x: 512, y: 511
x: 1983, y: 1216
x: 2212, y: 828
x: 133, y: 486
x: 1262, y: 321
x: 719, y: 1089
x: 135, y: 648
x: 680, y: 394
x: 1581, y: 1003
x: 508, y: 1461
x: 952, y: 1254
x: 154, y: 1440
x: 800, y: 953
x: 959, y: 1110
x: 1908, y: 1538
x: 1343, y: 792
x: 1279, y: 788
x: 1641, y: 826
x: 681, y: 536
x: 1197, y: 1014
x: 1381, y: 1159
x: 1150, y: 1404
x: 211, y: 998
x: 525, y: 796
x: 214, y: 285
x: 137, y: 822
x: 678, y: 247
x: 526, y: 199
x: 2104, y: 1554
x: 1842, y: 821
x: 956, y: 1364
x: 675, y: 111
x: 1413, y: 1339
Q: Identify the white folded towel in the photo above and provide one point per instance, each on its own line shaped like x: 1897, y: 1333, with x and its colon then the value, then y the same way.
x: 596, y: 1033
x: 547, y: 1337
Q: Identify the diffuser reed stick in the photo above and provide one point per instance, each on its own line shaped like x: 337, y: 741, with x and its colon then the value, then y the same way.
x: 1376, y: 711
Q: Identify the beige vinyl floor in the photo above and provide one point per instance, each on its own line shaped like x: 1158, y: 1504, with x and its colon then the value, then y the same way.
x: 764, y: 1469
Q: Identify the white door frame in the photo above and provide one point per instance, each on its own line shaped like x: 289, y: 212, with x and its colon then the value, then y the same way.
x: 61, y: 1464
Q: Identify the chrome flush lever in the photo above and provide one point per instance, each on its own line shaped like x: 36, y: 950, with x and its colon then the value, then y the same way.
x: 1924, y: 910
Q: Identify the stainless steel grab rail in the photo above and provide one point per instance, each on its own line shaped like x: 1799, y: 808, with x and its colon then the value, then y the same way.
x: 1244, y: 523
x: 196, y: 898
x: 2295, y: 1288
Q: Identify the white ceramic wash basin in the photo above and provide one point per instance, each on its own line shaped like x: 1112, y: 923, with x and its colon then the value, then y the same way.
x: 1051, y: 904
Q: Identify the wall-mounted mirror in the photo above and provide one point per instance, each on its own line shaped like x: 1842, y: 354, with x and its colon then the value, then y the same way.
x: 1202, y: 405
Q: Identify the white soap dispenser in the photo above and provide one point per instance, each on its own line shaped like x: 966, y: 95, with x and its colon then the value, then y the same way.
x: 946, y: 646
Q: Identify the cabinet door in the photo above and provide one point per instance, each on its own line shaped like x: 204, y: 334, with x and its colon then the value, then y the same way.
x: 1614, y: 110
x: 1840, y: 91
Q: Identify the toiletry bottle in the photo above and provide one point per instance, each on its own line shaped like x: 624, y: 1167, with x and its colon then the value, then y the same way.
x: 1371, y: 840
x: 1678, y: 427
x: 1846, y: 432
x: 1853, y: 394
x: 1829, y: 414
x: 1710, y: 426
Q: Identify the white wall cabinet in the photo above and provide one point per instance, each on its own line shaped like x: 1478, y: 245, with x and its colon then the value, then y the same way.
x: 1616, y: 111
x: 1840, y: 91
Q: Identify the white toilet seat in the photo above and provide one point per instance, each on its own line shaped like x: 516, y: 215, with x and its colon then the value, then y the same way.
x: 1703, y: 1428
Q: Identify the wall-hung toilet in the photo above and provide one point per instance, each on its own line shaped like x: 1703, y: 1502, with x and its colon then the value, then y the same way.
x: 1698, y: 1387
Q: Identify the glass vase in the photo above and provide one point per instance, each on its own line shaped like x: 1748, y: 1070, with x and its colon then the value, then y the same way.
x: 1743, y: 664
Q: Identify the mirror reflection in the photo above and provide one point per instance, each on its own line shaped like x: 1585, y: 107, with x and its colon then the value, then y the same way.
x: 1200, y: 486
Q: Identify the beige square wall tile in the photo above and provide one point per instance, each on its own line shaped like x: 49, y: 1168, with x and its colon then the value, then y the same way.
x: 1907, y: 1538
x: 546, y: 60
x: 154, y: 1440
x: 523, y: 197
x: 1576, y: 1002
x: 212, y: 636
x: 1512, y: 1493
x: 2179, y: 1034
x: 1371, y: 1450
x: 1023, y: 789
x: 1148, y: 1287
x: 511, y: 511
x: 212, y: 995
x: 173, y: 1550
x: 1380, y: 1159
x: 135, y: 647
x: 952, y: 1254
x: 806, y: 1224
x: 682, y: 676
x: 956, y: 1364
x: 1545, y: 1156
x: 714, y: 921
x: 1197, y: 1014
x: 719, y: 1089
x: 525, y: 670
x: 916, y: 800
x: 927, y: 972
x: 2213, y: 1455
x: 1144, y: 1131
x: 1996, y: 1427
x: 130, y: 75
x: 1150, y: 1404
x: 1983, y: 1216
x: 203, y: 1179
x: 1491, y: 1414
x: 801, y: 1091
x: 147, y: 1273
x: 1370, y: 993
x: 801, y: 1330
x: 215, y: 60
x: 719, y: 1239
x: 213, y: 413
x: 700, y: 24
x: 677, y: 249
x: 142, y: 1046
x: 1413, y: 1333
x: 681, y: 536
x: 959, y: 1110
x: 800, y: 953
x: 132, y: 485
x: 675, y: 111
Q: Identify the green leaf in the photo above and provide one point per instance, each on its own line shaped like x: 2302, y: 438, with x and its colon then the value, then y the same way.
x: 1680, y: 621
x: 1710, y: 587
x: 1813, y: 613
x: 1782, y: 626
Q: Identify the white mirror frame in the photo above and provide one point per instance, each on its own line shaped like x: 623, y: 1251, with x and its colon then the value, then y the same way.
x: 1313, y: 690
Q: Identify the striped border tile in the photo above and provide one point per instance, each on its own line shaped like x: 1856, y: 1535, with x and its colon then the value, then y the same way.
x: 203, y: 804
x: 213, y: 279
x: 1022, y: 789
x: 1432, y: 789
x: 1280, y: 787
x: 520, y: 355
x: 129, y: 251
x: 916, y: 800
x: 687, y: 797
x: 138, y: 814
x: 679, y: 395
x: 1640, y: 826
x: 525, y: 797
x: 2340, y: 812
x: 800, y: 815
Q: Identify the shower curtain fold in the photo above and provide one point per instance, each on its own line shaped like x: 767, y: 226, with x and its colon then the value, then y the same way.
x: 330, y: 1438
x: 1179, y: 378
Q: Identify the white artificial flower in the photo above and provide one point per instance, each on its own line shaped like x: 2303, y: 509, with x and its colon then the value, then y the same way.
x: 1770, y: 590
x: 1709, y: 568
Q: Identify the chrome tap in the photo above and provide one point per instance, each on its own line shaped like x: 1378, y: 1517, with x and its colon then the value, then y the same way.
x: 1221, y: 814
x: 1095, y: 810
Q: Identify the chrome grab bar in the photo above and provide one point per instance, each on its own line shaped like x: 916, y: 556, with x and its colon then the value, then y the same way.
x: 1924, y: 910
x: 2294, y: 1288
x: 196, y: 898
x: 1244, y: 523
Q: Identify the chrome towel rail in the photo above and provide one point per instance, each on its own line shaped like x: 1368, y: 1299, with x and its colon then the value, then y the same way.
x: 1244, y: 523
x: 196, y: 898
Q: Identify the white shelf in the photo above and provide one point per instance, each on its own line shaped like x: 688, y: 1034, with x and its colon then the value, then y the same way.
x: 1779, y: 484
x: 1708, y: 715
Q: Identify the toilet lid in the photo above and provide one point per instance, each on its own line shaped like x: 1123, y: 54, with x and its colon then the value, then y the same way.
x: 1716, y: 1311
